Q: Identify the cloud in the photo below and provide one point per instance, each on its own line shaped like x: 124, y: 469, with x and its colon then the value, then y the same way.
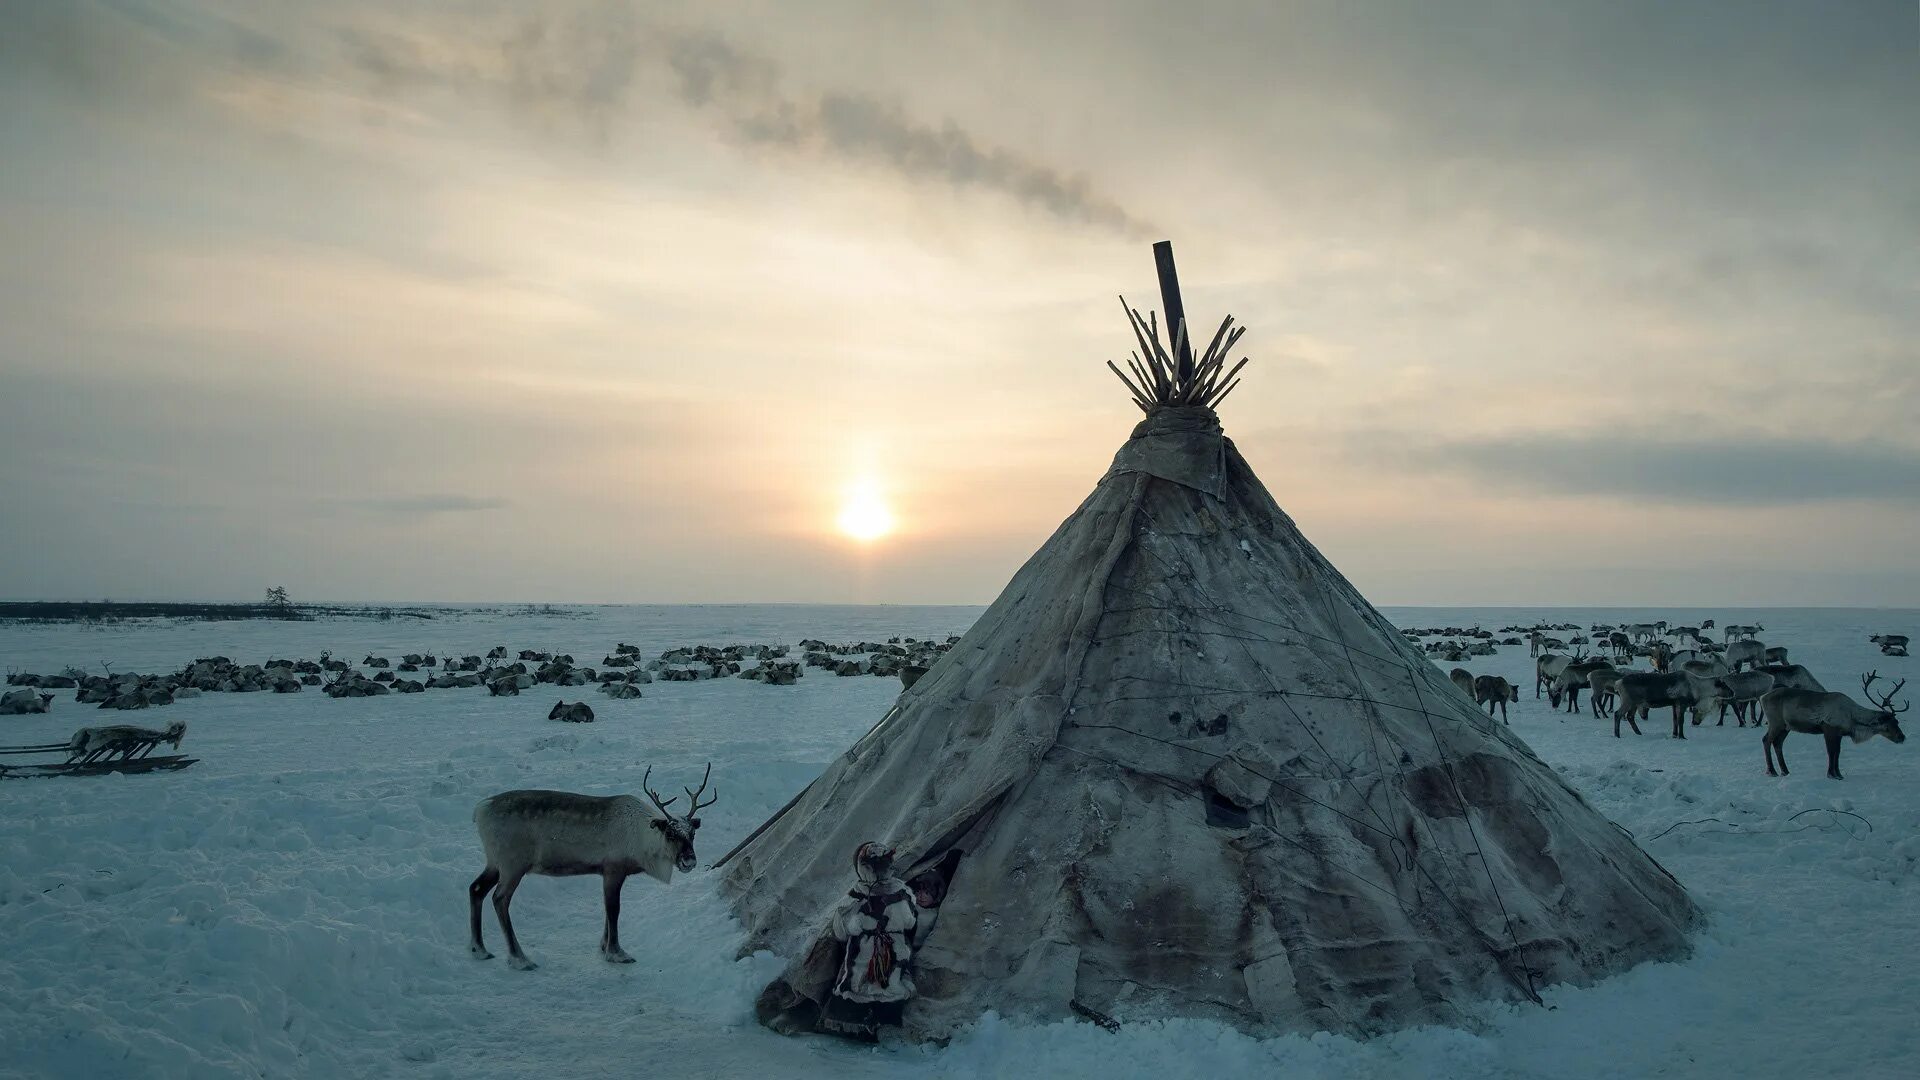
x: 428, y: 505
x: 1724, y: 471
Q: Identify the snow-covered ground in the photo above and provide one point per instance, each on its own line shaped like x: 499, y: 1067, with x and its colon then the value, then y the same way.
x: 295, y: 906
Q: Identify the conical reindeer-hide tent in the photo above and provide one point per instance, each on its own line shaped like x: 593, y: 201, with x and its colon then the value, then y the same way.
x: 1182, y: 768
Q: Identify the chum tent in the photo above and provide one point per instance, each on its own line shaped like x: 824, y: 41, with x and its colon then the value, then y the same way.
x: 1182, y: 768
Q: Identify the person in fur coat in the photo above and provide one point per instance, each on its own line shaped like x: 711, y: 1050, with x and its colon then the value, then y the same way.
x: 876, y: 924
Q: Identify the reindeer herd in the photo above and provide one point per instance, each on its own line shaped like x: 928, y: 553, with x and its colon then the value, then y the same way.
x: 621, y: 675
x: 1694, y: 676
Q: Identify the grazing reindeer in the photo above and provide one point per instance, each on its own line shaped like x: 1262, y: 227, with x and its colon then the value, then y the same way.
x: 1605, y: 684
x: 1619, y: 644
x: 93, y: 743
x: 1571, y: 680
x: 1491, y: 690
x: 1548, y: 668
x: 1743, y: 691
x: 560, y: 834
x: 1640, y: 691
x: 1775, y: 654
x: 1463, y: 679
x: 1833, y: 715
x: 1735, y: 630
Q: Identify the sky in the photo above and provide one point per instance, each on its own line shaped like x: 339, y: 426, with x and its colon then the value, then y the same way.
x: 595, y: 301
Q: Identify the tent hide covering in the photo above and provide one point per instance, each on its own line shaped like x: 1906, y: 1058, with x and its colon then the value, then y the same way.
x: 1181, y: 767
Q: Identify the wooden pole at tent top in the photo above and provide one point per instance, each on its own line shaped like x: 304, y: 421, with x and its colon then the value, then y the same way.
x: 1176, y: 311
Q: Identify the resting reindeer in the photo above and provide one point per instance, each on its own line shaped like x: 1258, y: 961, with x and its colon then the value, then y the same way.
x: 1833, y: 715
x: 93, y: 743
x: 560, y: 834
x: 1490, y: 690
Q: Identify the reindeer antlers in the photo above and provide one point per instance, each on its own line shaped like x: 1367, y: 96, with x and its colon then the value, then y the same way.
x: 651, y: 795
x: 1885, y: 701
x: 693, y: 796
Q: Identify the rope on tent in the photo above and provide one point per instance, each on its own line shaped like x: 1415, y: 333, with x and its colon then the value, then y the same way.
x: 1412, y: 859
x: 1346, y: 774
x: 1533, y: 993
x: 1373, y: 721
x: 1189, y: 792
x: 795, y: 801
x: 1753, y: 832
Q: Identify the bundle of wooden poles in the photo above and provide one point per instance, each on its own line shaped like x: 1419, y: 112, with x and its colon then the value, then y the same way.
x: 1159, y: 380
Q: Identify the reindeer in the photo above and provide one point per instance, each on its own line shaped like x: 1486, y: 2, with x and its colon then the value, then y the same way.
x: 1794, y: 676
x: 560, y: 834
x: 1619, y: 644
x: 1463, y: 679
x: 1640, y: 691
x: 1572, y: 679
x: 1775, y: 654
x: 1833, y: 715
x: 1891, y: 644
x: 1743, y: 691
x: 1605, y: 684
x: 20, y: 702
x: 1734, y: 630
x: 1491, y: 690
x: 125, y: 740
x: 1705, y: 667
x: 1746, y: 653
x: 1548, y: 668
x: 577, y: 713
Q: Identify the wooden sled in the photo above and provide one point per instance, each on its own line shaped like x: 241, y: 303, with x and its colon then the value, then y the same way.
x: 86, y: 768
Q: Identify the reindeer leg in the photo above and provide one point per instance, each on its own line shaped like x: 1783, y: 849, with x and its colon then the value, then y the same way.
x: 611, y: 882
x: 1780, y: 751
x: 502, y: 899
x: 1833, y: 755
x: 1679, y: 723
x: 477, y: 892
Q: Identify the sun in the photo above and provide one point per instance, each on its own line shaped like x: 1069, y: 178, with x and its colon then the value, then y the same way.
x: 864, y: 516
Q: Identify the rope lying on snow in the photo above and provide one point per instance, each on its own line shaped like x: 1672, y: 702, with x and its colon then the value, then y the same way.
x: 1735, y: 825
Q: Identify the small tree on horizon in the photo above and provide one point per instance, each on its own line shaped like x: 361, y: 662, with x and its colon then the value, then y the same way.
x: 277, y: 599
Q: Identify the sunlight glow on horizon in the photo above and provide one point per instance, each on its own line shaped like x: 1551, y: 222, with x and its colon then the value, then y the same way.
x: 865, y: 516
